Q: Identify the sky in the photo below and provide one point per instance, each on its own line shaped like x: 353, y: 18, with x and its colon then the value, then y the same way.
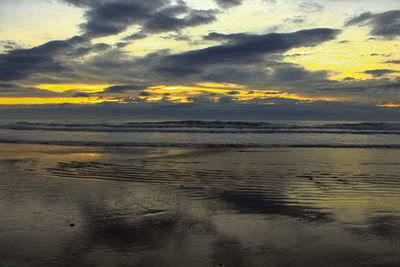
x: 329, y: 56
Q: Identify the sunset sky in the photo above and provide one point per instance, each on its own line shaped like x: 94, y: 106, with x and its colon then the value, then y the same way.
x: 211, y: 52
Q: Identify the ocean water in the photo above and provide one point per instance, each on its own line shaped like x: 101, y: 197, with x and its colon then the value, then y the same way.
x: 203, y: 133
x: 199, y: 193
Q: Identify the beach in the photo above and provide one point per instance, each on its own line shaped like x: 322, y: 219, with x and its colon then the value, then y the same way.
x: 184, y: 133
x: 166, y: 206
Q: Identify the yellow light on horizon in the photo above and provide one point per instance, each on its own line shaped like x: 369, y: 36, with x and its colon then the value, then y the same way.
x: 154, y: 98
x: 180, y: 94
x: 86, y: 88
x: 221, y: 85
x: 52, y: 100
x: 174, y: 94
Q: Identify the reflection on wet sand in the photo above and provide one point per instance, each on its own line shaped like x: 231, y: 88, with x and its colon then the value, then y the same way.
x: 192, y: 207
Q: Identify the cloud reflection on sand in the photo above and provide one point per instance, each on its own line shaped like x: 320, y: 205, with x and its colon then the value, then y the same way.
x: 190, y: 207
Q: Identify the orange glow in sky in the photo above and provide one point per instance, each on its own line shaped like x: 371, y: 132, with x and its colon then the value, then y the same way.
x: 393, y: 105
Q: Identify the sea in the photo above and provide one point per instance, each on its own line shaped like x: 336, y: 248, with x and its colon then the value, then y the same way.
x: 199, y: 133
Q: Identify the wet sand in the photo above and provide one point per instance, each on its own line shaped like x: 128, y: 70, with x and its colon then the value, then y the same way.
x: 79, y: 206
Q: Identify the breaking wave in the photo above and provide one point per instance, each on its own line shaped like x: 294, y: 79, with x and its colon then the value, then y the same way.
x: 195, y: 126
x: 195, y: 144
x: 195, y: 133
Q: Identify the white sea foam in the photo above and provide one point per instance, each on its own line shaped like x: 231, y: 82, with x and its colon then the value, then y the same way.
x: 197, y: 133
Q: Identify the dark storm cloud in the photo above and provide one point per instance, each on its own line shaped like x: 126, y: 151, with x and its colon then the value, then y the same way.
x: 378, y: 89
x: 124, y: 88
x: 13, y: 90
x: 51, y: 57
x: 216, y: 36
x: 360, y: 18
x: 250, y: 49
x: 136, y: 36
x: 127, y: 40
x: 106, y: 17
x: 228, y: 3
x: 295, y: 74
x: 21, y: 63
x: 145, y: 94
x: 393, y: 86
x: 84, y: 3
x: 393, y: 61
x: 379, y: 72
x: 84, y: 50
x: 225, y: 100
x: 347, y: 89
x: 233, y: 92
x: 114, y: 17
x: 386, y: 24
x: 162, y: 22
x: 81, y: 94
x: 118, y: 66
x: 235, y: 74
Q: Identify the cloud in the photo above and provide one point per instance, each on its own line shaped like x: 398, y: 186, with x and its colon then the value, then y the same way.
x: 14, y: 90
x: 310, y: 6
x: 85, y: 50
x: 366, y: 16
x: 107, y: 17
x: 81, y: 94
x: 49, y: 58
x: 124, y: 88
x: 225, y: 100
x: 127, y: 40
x: 379, y: 72
x: 393, y: 86
x: 233, y: 92
x: 178, y: 36
x: 164, y: 22
x: 247, y: 50
x: 84, y: 3
x: 228, y: 3
x: 393, y: 61
x: 296, y: 73
x: 8, y: 45
x: 216, y: 36
x: 113, y: 17
x: 386, y: 24
x: 361, y: 91
x: 145, y: 94
x: 21, y: 63
x: 235, y: 74
x: 136, y: 36
x: 296, y: 20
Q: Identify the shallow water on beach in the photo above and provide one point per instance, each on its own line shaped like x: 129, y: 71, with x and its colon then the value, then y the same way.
x: 80, y: 206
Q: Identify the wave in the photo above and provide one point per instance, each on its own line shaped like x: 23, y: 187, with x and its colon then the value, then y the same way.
x: 193, y: 145
x: 195, y: 126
